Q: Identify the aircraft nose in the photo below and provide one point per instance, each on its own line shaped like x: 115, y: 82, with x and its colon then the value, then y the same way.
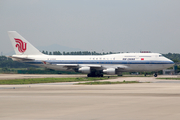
x: 169, y: 64
x: 172, y: 62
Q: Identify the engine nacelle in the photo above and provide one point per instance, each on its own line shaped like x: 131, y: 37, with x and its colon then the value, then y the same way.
x: 110, y: 71
x: 86, y: 70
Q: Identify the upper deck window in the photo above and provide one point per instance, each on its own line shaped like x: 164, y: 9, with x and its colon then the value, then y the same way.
x: 144, y: 56
x: 129, y: 56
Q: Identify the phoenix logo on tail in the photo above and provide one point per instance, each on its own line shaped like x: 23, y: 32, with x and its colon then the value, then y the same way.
x: 21, y: 45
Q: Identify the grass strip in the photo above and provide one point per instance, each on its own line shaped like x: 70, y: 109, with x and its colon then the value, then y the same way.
x: 137, y: 76
x: 107, y: 82
x: 169, y: 78
x: 49, y: 80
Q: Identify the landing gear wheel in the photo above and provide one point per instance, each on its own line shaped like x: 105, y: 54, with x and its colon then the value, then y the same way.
x: 91, y: 75
x: 88, y: 75
x: 94, y: 75
x: 145, y: 74
x: 155, y: 74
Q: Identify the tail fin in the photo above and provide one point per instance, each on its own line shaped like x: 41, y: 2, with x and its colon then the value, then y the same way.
x: 21, y: 45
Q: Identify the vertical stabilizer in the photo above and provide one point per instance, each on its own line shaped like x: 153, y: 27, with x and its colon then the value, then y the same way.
x: 21, y: 45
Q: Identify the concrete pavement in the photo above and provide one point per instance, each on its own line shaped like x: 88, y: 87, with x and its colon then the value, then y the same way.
x: 139, y: 101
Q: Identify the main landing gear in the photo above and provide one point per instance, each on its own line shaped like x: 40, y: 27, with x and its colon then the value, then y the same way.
x: 95, y: 75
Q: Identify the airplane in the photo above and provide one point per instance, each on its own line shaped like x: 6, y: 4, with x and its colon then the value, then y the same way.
x: 92, y: 65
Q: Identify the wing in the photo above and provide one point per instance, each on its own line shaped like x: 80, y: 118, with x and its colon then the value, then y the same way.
x: 76, y: 67
x: 121, y: 67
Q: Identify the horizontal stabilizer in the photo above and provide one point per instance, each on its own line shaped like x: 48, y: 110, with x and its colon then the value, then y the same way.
x: 20, y: 58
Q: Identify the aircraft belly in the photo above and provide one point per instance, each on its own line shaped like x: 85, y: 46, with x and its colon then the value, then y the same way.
x: 146, y: 67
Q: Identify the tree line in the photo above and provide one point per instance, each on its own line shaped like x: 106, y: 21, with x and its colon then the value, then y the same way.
x: 173, y: 56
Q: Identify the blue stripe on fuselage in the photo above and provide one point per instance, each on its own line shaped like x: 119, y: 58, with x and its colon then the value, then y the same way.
x: 99, y: 62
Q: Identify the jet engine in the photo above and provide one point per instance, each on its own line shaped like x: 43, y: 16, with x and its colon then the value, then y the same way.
x: 110, y: 71
x: 86, y: 70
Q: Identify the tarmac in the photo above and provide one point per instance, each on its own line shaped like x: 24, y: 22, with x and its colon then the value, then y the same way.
x: 22, y: 76
x: 158, y: 99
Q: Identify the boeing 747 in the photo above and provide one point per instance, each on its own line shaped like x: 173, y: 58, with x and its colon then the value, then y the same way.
x: 92, y: 65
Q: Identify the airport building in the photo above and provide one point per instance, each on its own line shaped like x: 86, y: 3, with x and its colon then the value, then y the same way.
x: 170, y: 71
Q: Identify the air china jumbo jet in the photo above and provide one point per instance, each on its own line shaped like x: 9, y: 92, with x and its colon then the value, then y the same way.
x: 92, y: 65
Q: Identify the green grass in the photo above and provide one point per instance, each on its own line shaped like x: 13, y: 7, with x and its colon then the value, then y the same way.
x: 49, y: 80
x: 169, y: 78
x: 137, y: 76
x: 107, y: 82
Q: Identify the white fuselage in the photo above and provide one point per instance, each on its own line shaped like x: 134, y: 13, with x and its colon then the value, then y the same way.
x: 92, y: 65
x: 131, y: 62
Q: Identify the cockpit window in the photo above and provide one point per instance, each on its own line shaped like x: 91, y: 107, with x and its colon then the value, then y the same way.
x: 161, y: 56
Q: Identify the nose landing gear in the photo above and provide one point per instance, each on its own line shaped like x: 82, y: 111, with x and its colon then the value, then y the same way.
x: 155, y: 75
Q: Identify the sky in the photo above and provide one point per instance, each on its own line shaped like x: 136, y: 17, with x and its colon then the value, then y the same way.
x: 94, y: 25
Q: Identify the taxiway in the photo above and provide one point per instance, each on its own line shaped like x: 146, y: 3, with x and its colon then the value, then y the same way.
x: 139, y: 101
